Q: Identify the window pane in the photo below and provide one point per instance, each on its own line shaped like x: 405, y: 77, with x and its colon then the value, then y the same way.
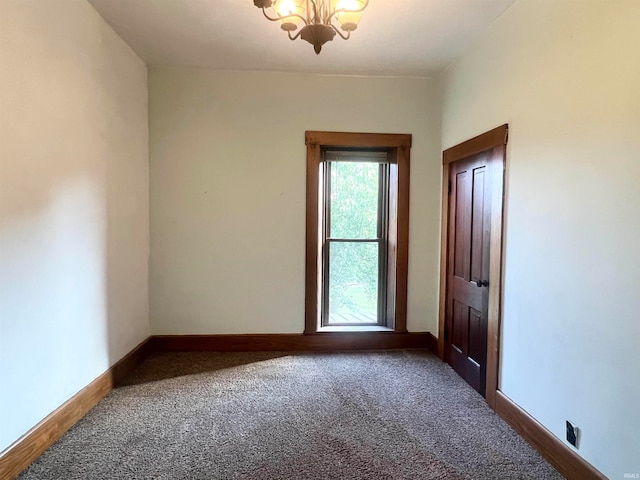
x: 353, y: 282
x: 354, y: 199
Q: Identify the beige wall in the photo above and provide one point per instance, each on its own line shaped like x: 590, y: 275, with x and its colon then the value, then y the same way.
x: 73, y: 205
x: 565, y: 75
x: 228, y: 191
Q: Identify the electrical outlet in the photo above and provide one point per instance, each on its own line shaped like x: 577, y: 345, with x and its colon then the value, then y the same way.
x: 572, y: 434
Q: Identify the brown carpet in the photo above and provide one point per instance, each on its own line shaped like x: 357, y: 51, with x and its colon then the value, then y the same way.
x: 368, y: 415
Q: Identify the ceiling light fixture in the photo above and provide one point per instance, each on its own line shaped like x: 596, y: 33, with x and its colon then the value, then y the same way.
x: 313, y: 20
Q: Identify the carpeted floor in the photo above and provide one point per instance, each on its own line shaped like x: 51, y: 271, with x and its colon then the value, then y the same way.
x: 370, y: 415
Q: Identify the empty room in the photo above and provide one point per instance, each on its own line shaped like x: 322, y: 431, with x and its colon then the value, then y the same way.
x: 319, y: 239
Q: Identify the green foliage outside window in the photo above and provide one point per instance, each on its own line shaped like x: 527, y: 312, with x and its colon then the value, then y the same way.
x: 353, y: 267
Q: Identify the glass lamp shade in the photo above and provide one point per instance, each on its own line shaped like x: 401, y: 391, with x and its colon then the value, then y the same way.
x: 284, y: 8
x: 348, y: 20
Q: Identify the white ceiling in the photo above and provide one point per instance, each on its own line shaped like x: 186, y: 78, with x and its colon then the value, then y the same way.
x: 395, y: 37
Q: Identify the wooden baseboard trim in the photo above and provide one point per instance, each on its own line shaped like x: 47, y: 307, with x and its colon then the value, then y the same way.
x: 327, y: 341
x: 432, y: 343
x: 561, y: 456
x: 31, y: 445
x: 129, y: 363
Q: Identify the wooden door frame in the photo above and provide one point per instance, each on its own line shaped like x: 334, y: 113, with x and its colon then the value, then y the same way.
x: 496, y: 141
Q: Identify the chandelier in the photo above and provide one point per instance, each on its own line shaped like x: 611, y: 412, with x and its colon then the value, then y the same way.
x: 314, y: 20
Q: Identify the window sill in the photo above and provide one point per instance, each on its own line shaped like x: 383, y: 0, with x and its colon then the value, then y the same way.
x: 355, y: 328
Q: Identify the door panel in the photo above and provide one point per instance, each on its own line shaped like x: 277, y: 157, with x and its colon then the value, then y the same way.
x: 477, y: 226
x: 467, y: 297
x: 460, y: 326
x: 477, y: 336
x: 462, y: 253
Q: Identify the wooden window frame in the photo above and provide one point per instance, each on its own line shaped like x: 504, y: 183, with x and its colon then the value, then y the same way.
x: 398, y: 147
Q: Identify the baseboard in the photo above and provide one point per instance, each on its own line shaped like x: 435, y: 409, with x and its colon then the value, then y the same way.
x: 30, y: 446
x: 128, y: 363
x: 432, y: 343
x: 329, y: 341
x: 561, y: 456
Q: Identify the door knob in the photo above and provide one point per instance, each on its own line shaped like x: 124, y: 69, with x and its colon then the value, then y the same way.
x: 482, y: 283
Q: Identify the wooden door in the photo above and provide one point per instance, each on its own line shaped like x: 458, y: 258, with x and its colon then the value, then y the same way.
x: 467, y: 295
x: 471, y: 258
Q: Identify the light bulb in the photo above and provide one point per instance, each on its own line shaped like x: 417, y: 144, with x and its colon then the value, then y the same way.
x: 349, y: 20
x: 284, y: 8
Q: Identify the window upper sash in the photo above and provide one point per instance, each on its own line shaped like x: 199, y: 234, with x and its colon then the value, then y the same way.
x: 355, y: 156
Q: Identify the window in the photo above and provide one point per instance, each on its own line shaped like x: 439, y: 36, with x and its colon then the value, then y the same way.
x: 354, y: 237
x: 357, y: 231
